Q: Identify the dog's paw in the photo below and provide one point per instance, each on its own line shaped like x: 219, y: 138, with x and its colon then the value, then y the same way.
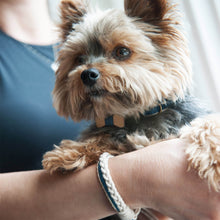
x: 203, y: 150
x: 66, y: 157
x: 138, y: 140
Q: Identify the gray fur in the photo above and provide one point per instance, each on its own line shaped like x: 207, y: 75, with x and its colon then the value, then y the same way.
x: 158, y: 127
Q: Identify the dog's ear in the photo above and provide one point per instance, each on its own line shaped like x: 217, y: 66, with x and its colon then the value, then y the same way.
x: 71, y: 12
x: 150, y: 11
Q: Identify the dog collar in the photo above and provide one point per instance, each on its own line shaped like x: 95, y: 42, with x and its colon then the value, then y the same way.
x: 158, y: 109
x: 119, y: 121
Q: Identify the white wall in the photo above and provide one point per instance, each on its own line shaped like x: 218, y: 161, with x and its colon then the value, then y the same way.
x: 202, y: 21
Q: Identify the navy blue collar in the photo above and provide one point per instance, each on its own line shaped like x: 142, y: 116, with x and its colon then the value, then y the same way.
x: 158, y: 109
x: 119, y: 121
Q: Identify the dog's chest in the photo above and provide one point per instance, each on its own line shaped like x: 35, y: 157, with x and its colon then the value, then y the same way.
x: 136, y: 132
x: 146, y: 128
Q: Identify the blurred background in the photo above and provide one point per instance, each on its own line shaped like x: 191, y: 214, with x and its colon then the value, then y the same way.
x: 202, y: 24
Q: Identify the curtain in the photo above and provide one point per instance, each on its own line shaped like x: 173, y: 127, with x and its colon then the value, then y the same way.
x: 202, y: 19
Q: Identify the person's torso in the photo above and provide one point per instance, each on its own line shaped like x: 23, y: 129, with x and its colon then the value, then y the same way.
x: 29, y: 125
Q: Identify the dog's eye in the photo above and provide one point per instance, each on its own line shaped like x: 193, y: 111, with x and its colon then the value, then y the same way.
x: 80, y: 60
x: 121, y: 53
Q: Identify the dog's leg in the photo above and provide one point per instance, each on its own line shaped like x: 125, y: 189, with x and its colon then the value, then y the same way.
x: 139, y: 140
x: 204, y: 148
x: 73, y: 156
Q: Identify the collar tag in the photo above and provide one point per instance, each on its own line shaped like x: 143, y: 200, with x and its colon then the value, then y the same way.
x: 100, y: 122
x: 114, y: 120
x: 118, y: 121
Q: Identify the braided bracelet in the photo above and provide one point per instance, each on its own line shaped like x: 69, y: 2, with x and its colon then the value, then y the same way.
x: 124, y: 212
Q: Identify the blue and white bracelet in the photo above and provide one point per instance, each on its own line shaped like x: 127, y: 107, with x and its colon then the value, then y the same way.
x: 124, y: 212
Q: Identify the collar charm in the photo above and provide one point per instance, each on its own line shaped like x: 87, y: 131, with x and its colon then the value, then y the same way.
x: 114, y: 120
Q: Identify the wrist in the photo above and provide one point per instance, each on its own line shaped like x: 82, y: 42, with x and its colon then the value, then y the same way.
x: 160, y: 169
x: 142, y: 177
x: 123, y: 210
x: 124, y: 172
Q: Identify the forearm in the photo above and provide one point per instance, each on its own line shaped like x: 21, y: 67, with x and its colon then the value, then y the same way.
x: 38, y: 195
x: 166, y: 186
x: 154, y: 177
x: 159, y: 180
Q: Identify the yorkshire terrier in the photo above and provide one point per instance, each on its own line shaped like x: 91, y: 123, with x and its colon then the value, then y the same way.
x: 129, y: 72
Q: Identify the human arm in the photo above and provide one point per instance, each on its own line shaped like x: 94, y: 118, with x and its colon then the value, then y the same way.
x: 35, y: 195
x: 160, y: 181
x: 153, y: 177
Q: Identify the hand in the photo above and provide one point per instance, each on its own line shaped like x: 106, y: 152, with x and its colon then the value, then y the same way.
x: 156, y: 177
x: 166, y: 186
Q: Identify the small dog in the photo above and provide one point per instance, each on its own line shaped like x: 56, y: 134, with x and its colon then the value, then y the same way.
x: 129, y: 72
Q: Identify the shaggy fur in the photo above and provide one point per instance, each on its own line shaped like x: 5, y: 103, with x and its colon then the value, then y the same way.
x: 142, y: 59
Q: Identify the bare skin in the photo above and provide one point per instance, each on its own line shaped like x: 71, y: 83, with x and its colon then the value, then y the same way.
x: 37, y: 195
x: 165, y: 183
x: 27, y: 21
x: 153, y: 177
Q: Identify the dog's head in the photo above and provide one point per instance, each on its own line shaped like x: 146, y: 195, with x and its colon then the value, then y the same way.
x: 119, y: 62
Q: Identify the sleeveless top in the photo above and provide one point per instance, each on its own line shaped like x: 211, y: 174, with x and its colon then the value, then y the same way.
x: 29, y: 125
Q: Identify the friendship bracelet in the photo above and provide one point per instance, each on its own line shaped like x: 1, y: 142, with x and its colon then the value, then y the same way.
x: 124, y: 212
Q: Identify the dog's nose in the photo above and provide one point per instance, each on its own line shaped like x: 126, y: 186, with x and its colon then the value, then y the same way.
x: 90, y: 76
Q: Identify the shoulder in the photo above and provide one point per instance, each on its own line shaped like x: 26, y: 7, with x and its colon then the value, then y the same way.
x: 8, y: 45
x: 4, y: 38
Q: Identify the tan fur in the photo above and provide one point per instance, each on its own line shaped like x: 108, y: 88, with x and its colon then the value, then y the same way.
x: 71, y: 12
x: 165, y: 75
x: 73, y: 156
x: 139, y: 140
x: 157, y: 69
x: 204, y: 148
